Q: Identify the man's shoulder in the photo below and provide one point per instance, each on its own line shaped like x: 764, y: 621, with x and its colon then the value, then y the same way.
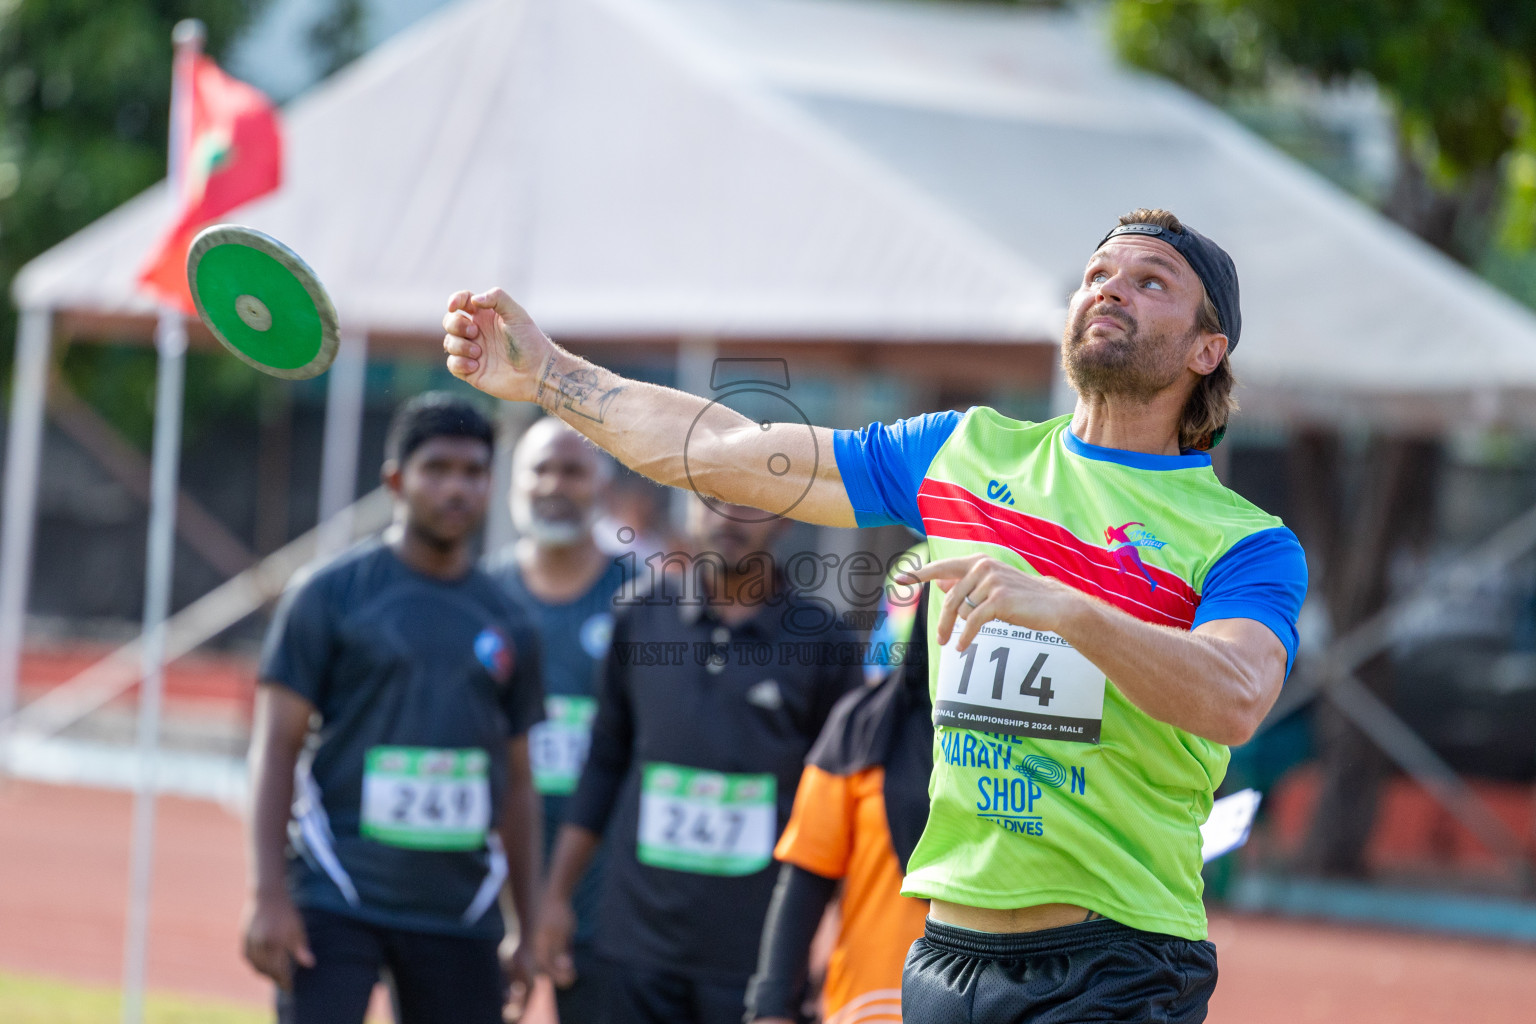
x: 365, y: 564
x: 619, y: 572
x: 614, y: 586
x: 646, y: 597
x: 983, y: 432
x: 811, y: 617
x: 1238, y: 517
x: 502, y: 566
x: 490, y: 590
x: 946, y: 425
x: 505, y: 570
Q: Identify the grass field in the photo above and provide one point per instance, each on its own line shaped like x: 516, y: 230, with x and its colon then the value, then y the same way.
x: 25, y: 1000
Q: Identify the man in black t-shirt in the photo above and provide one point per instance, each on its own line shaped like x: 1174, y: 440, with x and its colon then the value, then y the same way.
x: 557, y: 571
x: 714, y: 687
x: 393, y: 798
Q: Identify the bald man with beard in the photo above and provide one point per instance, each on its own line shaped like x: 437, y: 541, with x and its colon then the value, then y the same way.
x: 555, y: 569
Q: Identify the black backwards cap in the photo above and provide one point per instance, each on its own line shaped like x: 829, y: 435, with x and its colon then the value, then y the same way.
x: 1210, y: 263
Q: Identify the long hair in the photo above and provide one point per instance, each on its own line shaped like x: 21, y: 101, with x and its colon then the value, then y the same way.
x: 1211, y: 404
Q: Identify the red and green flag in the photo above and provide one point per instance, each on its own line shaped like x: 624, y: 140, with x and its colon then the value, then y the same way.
x: 232, y: 152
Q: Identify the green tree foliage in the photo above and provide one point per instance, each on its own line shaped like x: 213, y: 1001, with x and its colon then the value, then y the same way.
x: 340, y: 35
x: 1459, y: 74
x: 84, y: 97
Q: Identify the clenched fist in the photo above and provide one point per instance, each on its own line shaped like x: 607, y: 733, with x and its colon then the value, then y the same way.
x: 275, y: 939
x: 494, y: 345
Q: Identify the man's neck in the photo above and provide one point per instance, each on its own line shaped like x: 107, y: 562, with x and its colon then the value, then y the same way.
x: 558, y: 574
x: 1151, y: 427
x: 441, y: 561
x: 737, y: 596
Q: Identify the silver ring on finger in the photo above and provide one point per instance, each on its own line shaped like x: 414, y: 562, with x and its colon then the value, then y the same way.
x: 969, y: 601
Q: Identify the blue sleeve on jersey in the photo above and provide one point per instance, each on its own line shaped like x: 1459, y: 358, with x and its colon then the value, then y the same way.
x: 884, y: 464
x: 1262, y: 577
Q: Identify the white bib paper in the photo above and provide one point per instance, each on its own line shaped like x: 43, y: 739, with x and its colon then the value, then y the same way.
x: 1229, y: 824
x: 1022, y: 682
x: 426, y: 799
x: 558, y: 746
x: 710, y: 823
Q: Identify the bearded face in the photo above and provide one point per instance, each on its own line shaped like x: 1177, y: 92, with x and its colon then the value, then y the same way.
x: 552, y: 521
x: 1105, y: 351
x: 558, y: 481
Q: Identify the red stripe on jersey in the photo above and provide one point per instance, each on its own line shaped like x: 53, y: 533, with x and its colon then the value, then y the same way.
x: 951, y: 512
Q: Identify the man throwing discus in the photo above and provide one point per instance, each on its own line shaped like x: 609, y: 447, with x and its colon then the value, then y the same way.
x: 1112, y: 619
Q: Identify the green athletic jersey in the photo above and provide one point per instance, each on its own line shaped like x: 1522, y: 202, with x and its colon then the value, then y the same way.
x: 1049, y: 786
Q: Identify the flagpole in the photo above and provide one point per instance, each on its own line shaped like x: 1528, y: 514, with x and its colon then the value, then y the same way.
x: 171, y: 346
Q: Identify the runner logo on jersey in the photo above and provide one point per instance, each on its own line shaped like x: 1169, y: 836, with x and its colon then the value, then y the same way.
x: 1125, y: 545
x: 493, y: 651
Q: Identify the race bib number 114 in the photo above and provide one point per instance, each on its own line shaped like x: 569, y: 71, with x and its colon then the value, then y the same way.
x: 1022, y: 682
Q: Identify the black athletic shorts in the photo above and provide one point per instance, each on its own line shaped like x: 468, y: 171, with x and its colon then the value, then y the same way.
x: 643, y: 995
x: 437, y: 979
x: 589, y: 1000
x: 1098, y: 971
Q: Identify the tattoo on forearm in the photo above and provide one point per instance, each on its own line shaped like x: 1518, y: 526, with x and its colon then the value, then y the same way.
x: 579, y: 391
x: 538, y: 398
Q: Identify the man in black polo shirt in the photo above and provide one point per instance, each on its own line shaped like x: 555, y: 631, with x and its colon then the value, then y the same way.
x: 715, y: 686
x: 401, y: 682
x: 557, y: 571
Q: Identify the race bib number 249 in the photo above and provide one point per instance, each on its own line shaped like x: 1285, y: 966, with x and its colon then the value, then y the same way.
x: 1022, y: 682
x: 422, y: 798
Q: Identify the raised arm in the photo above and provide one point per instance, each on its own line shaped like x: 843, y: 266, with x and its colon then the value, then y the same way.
x: 672, y: 437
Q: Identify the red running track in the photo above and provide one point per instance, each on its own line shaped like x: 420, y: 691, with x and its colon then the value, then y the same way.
x: 63, y: 892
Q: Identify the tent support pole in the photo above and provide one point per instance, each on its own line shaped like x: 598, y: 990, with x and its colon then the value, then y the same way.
x: 171, y: 343
x: 343, y: 438
x: 164, y: 471
x: 23, y: 453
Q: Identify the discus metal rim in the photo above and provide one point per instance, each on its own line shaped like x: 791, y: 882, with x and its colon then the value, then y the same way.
x: 239, y: 234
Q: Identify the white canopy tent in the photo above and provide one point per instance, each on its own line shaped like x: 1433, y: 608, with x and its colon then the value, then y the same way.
x: 866, y: 173
x: 591, y: 164
x: 818, y: 169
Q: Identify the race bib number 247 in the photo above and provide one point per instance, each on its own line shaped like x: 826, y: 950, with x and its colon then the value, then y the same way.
x: 708, y: 823
x: 1022, y: 682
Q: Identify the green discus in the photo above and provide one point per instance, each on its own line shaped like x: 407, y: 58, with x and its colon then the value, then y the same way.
x: 262, y: 302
